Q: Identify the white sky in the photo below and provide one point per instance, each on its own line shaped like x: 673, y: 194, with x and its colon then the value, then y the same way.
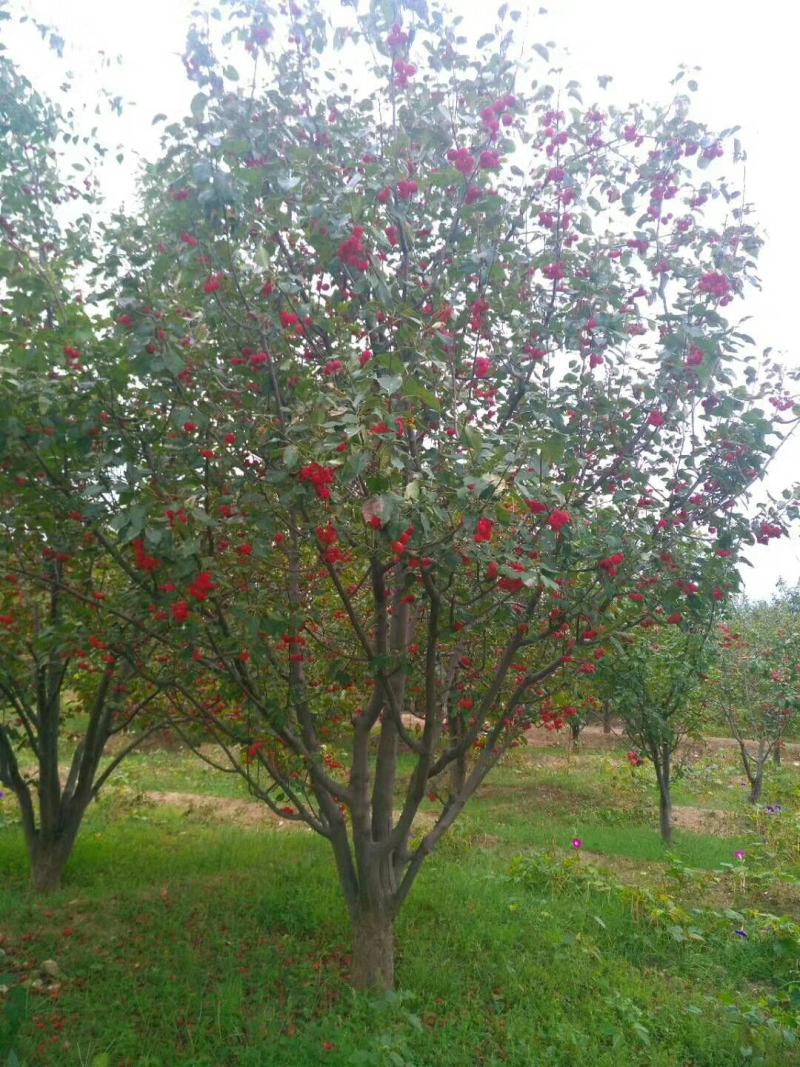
x: 749, y: 76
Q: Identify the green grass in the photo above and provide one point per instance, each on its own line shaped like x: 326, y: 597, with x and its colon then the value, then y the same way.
x: 197, y: 944
x: 177, y: 772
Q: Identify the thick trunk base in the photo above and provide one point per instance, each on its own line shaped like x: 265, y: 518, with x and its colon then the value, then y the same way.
x: 756, y: 788
x: 47, y: 870
x: 48, y: 860
x: 373, y: 953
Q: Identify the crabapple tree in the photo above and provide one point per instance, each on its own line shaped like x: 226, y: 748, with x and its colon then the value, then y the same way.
x: 58, y: 677
x: 434, y: 391
x: 63, y: 663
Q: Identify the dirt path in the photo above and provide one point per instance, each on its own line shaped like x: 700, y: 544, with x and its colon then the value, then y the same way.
x: 252, y: 814
x: 224, y: 809
x: 594, y: 739
x: 245, y: 813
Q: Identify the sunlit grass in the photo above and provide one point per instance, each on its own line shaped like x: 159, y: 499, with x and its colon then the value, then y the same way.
x: 189, y: 941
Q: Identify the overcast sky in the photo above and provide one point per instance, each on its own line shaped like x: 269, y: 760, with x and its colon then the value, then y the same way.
x: 749, y: 76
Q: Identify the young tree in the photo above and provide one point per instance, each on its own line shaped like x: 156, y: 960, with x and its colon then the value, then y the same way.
x: 428, y: 394
x: 654, y: 683
x: 61, y: 659
x: 756, y: 685
x: 56, y: 677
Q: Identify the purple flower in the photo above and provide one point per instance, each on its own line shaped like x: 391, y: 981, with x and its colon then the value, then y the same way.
x: 773, y: 809
x: 739, y: 854
x: 577, y: 843
x: 741, y: 933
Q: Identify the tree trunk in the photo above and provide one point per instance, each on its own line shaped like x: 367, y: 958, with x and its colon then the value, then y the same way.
x: 48, y: 859
x: 606, y: 719
x: 776, y: 754
x: 665, y: 814
x: 757, y: 784
x: 49, y: 848
x: 574, y: 738
x: 458, y: 774
x: 662, y: 761
x: 373, y: 951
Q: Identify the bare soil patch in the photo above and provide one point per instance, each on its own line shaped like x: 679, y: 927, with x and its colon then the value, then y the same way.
x: 703, y: 820
x: 245, y: 813
x: 594, y: 739
x: 224, y: 809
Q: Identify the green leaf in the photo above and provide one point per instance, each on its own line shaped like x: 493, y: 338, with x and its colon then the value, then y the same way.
x: 288, y: 182
x: 413, y: 387
x: 390, y: 383
x: 472, y: 437
x: 198, y: 104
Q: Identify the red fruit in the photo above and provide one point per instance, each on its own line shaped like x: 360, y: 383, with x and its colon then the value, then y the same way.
x: 484, y: 530
x: 558, y: 520
x: 213, y: 283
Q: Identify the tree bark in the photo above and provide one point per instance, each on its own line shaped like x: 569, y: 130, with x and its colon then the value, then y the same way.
x: 50, y: 847
x: 606, y: 719
x: 573, y: 740
x: 458, y: 773
x: 776, y: 754
x: 48, y: 858
x: 665, y: 813
x: 757, y: 784
x: 373, y: 951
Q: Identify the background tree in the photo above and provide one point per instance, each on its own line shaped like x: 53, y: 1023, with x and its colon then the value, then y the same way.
x: 654, y: 685
x: 755, y: 682
x: 423, y: 392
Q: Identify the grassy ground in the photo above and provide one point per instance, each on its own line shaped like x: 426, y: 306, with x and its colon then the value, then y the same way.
x: 187, y: 939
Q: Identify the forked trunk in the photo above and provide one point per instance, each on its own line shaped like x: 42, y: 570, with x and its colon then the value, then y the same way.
x: 373, y: 952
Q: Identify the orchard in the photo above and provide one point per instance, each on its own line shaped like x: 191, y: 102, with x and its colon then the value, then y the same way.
x: 409, y: 418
